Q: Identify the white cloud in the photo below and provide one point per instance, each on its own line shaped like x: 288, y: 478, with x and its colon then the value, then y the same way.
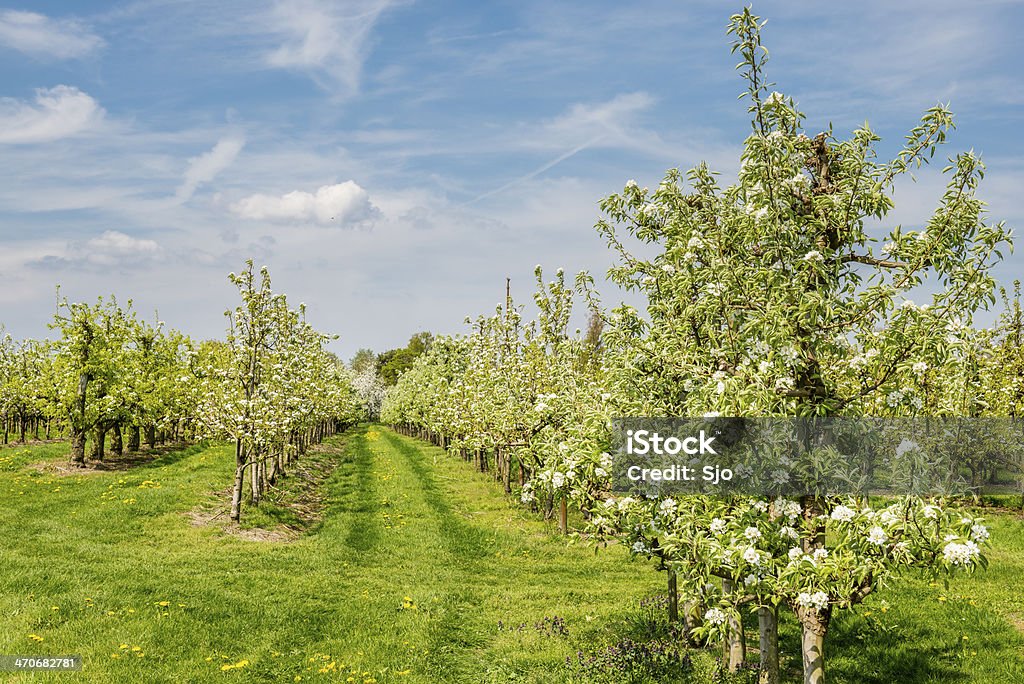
x: 205, y: 167
x: 330, y: 40
x: 57, y: 113
x: 110, y: 248
x: 114, y: 246
x: 331, y: 205
x: 588, y: 120
x: 40, y: 36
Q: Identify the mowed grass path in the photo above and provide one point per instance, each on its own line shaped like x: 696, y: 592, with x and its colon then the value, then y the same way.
x: 420, y: 571
x: 404, y: 580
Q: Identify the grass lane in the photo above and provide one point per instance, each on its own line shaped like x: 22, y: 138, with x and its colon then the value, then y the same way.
x: 419, y: 570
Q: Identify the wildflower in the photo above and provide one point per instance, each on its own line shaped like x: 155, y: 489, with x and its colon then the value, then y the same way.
x: 877, y: 536
x: 752, y: 533
x: 718, y: 526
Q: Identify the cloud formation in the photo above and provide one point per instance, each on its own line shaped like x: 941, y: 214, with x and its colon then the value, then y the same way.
x: 205, y: 167
x: 42, y: 37
x: 329, y: 40
x: 57, y: 113
x: 343, y: 204
x: 114, y: 246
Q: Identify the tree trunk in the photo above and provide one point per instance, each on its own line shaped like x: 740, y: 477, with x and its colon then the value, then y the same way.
x: 98, y: 450
x: 563, y: 516
x: 768, y: 623
x: 254, y: 482
x: 814, y: 627
x: 236, y: 493
x: 673, y: 596
x: 151, y: 436
x: 77, y: 446
x: 507, y: 472
x: 116, y: 440
x: 691, y: 620
x: 735, y: 647
x: 134, y: 438
x: 812, y: 647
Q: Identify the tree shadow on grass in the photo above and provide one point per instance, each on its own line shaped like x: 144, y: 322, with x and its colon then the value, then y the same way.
x: 143, y: 459
x: 863, y: 651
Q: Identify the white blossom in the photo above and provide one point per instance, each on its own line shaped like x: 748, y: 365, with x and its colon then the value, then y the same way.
x: 842, y: 513
x: 818, y: 600
x: 715, y: 617
x: 960, y: 554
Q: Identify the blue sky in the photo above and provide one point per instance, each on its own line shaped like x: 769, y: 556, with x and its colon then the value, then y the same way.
x: 393, y: 162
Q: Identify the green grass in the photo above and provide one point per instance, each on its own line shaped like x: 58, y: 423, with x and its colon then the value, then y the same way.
x: 408, y: 566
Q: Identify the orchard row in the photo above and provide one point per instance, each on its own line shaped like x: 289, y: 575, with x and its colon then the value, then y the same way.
x: 782, y: 294
x: 110, y: 377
